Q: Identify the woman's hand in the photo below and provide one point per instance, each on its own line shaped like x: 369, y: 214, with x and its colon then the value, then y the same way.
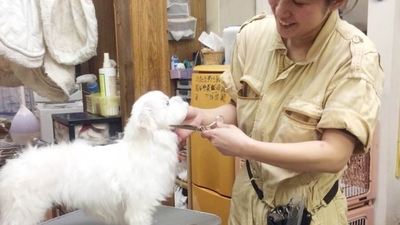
x: 228, y: 139
x: 194, y: 118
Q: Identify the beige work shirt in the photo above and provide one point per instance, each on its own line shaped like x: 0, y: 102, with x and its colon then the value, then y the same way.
x: 338, y: 86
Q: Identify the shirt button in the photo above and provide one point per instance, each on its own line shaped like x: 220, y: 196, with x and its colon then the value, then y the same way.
x: 356, y: 39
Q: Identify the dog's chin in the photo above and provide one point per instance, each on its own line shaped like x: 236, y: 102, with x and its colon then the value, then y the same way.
x: 181, y: 113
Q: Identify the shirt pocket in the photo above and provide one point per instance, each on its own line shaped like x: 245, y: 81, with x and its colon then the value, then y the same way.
x: 299, y: 120
x: 248, y: 100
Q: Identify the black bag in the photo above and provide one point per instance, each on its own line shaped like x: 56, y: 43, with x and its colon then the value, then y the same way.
x: 281, y: 215
x: 306, y: 218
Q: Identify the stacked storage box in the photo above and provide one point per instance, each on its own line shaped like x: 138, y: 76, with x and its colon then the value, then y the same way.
x: 183, y: 82
x: 359, y: 185
x: 181, y: 25
x: 183, y: 88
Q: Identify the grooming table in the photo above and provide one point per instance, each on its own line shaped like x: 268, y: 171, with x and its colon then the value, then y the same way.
x: 164, y: 215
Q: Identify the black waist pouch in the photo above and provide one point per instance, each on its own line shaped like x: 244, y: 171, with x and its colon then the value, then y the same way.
x: 283, y: 215
x: 306, y: 218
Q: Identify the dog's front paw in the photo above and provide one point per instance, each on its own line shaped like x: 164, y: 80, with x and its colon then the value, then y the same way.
x: 138, y: 218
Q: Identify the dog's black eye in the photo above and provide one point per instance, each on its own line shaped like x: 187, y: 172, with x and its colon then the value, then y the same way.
x: 167, y: 102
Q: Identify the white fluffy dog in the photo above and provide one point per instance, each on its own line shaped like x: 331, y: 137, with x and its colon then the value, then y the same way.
x: 120, y: 183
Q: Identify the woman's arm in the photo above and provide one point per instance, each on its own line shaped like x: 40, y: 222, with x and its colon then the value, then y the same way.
x: 228, y: 111
x: 328, y: 155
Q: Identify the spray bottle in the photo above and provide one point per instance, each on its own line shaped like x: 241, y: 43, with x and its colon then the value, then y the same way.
x: 90, y: 80
x: 107, y: 78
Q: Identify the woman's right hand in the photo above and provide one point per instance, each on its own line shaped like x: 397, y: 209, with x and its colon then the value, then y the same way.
x: 193, y: 117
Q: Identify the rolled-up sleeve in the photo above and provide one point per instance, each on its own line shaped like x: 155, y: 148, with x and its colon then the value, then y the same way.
x: 354, y: 103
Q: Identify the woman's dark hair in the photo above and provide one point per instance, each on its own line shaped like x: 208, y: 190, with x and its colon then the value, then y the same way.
x: 347, y: 7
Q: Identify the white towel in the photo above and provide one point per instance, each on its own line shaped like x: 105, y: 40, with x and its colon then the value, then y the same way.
x: 53, y: 81
x: 70, y: 30
x: 21, y: 37
x: 70, y: 34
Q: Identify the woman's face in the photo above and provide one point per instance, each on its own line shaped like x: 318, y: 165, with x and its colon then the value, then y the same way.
x: 300, y: 19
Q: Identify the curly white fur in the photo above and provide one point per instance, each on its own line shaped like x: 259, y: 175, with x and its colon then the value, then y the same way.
x: 119, y: 183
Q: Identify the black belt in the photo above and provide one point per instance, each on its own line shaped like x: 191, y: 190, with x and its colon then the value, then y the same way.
x: 260, y: 193
x: 327, y: 199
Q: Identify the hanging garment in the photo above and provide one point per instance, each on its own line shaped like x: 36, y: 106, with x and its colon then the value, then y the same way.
x: 41, y: 41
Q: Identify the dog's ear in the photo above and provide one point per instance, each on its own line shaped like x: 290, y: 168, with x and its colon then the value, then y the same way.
x: 146, y: 120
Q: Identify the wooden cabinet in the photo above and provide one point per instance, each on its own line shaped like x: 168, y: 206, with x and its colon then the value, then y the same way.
x: 142, y: 49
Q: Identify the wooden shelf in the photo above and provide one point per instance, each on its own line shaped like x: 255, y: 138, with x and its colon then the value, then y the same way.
x: 181, y: 183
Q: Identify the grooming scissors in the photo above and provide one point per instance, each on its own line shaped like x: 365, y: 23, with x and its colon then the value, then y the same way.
x: 201, y: 127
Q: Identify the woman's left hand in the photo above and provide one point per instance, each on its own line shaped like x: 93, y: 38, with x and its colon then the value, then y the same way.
x: 228, y: 139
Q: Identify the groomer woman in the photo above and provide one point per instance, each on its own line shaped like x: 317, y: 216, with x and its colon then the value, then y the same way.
x: 305, y: 88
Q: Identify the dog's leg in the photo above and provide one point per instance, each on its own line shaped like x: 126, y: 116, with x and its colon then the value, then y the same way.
x: 135, y: 215
x: 25, y: 214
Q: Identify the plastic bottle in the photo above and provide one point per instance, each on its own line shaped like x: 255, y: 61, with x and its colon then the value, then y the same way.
x: 174, y: 62
x: 107, y: 78
x: 229, y: 35
x: 90, y: 80
x: 92, y: 87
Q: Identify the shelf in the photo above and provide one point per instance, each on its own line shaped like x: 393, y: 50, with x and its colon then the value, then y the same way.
x: 181, y: 183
